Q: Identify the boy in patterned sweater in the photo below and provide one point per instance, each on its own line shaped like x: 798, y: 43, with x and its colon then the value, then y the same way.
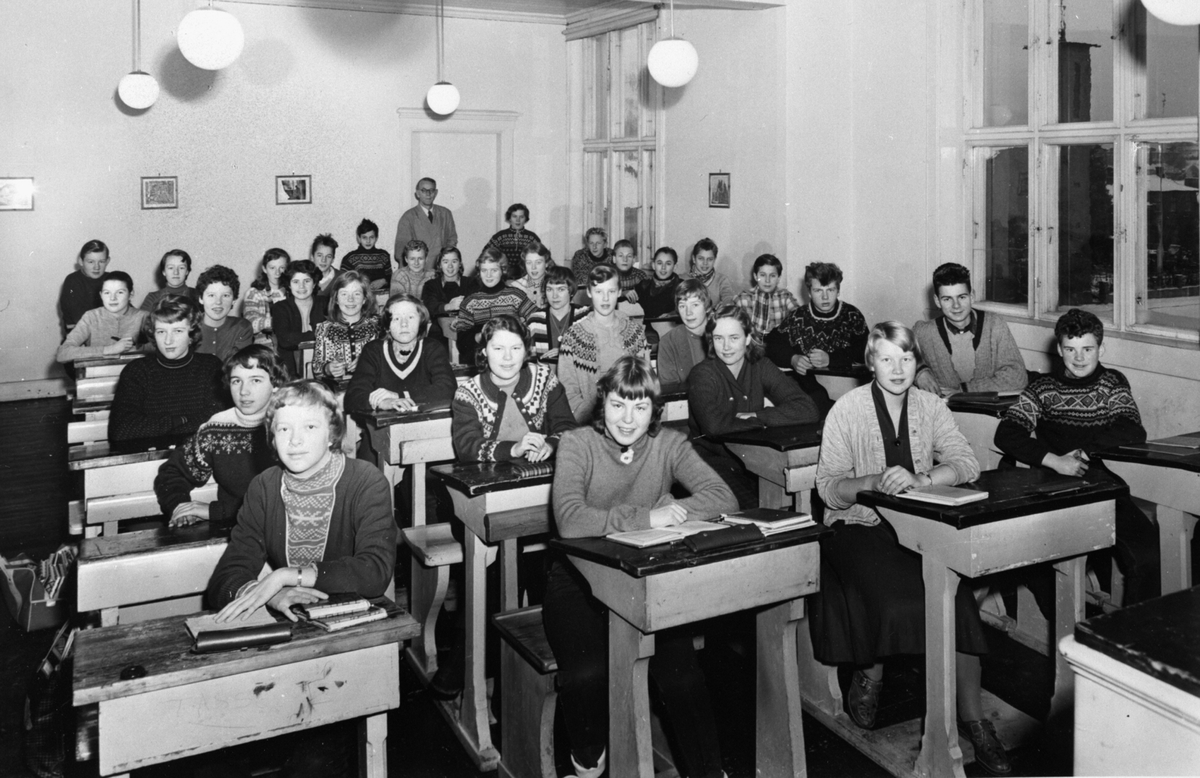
x: 1080, y: 408
x: 373, y: 262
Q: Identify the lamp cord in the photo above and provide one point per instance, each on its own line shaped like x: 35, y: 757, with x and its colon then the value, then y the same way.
x: 137, y: 35
x: 441, y: 38
x: 672, y: 18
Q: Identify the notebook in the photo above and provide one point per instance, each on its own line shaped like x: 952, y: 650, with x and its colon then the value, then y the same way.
x: 770, y: 520
x: 643, y: 538
x: 345, y: 621
x: 944, y: 495
x: 335, y: 605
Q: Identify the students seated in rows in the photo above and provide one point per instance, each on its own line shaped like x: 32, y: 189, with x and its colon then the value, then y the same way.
x: 767, y: 303
x: 413, y: 273
x: 727, y: 393
x: 323, y: 251
x: 703, y: 269
x: 615, y: 475
x: 162, y: 399
x: 174, y: 268
x: 548, y: 325
x: 684, y: 347
x: 80, y: 291
x: 266, y: 290
x: 966, y: 350
x: 295, y: 319
x: 1061, y: 419
x: 888, y: 437
x: 221, y: 333
x: 350, y: 325
x: 535, y: 261
x: 513, y: 241
x: 656, y: 293
x: 373, y: 262
x: 594, y: 343
x: 113, y: 328
x: 595, y: 251
x: 231, y: 447
x: 625, y: 261
x: 490, y: 298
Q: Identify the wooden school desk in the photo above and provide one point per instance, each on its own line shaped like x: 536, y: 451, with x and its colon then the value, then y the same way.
x: 785, y: 460
x: 977, y: 420
x: 1169, y: 477
x: 1137, y: 689
x: 189, y: 704
x: 169, y: 567
x: 665, y: 586
x: 839, y: 379
x: 411, y: 438
x: 1016, y: 526
x: 498, y: 503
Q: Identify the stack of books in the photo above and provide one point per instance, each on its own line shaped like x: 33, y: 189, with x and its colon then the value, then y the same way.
x: 770, y: 521
x: 340, y: 611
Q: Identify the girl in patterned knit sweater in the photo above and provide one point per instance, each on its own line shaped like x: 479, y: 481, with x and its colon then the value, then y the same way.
x: 490, y: 298
x: 264, y: 291
x: 350, y: 326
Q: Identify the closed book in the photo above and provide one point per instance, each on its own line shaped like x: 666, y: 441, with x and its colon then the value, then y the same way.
x: 770, y: 519
x: 336, y: 605
x: 944, y: 495
x: 643, y: 538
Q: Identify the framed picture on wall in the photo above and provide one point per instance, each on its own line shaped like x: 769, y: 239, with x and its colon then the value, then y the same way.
x: 718, y: 190
x: 16, y: 194
x: 160, y: 192
x: 293, y: 190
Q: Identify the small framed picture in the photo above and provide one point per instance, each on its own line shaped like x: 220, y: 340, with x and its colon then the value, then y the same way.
x: 293, y: 190
x: 160, y: 192
x: 16, y: 194
x: 718, y: 190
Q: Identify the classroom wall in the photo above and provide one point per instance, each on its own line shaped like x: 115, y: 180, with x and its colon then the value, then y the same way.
x: 315, y: 92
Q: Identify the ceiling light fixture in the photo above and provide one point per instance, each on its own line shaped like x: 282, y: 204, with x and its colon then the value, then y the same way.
x: 210, y: 39
x: 673, y: 62
x: 137, y: 89
x: 443, y: 96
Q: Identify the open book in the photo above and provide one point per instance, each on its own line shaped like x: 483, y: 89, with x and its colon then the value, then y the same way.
x: 770, y: 520
x: 642, y: 538
x: 944, y: 495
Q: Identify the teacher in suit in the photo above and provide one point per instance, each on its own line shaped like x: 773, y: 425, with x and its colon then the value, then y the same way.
x: 432, y: 224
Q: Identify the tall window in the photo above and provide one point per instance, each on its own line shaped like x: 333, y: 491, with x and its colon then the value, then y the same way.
x: 620, y: 106
x: 1082, y: 163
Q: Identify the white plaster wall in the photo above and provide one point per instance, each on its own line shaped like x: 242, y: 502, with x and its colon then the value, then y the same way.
x: 315, y: 92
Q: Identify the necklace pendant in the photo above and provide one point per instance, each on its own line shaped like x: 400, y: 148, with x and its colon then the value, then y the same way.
x: 626, y: 456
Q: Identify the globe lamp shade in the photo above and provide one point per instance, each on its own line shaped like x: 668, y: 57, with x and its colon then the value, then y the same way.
x: 1183, y: 12
x: 443, y: 98
x: 138, y: 90
x: 673, y: 62
x: 210, y: 39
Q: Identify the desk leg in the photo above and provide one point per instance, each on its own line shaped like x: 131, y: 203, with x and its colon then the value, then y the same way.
x: 418, y: 490
x: 1175, y: 530
x: 1068, y: 609
x: 473, y: 716
x: 779, y: 740
x: 940, y: 753
x: 510, y: 553
x: 629, y: 651
x: 372, y: 737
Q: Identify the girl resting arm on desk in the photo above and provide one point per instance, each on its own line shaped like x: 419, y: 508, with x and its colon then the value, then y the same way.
x: 617, y: 475
x: 322, y: 523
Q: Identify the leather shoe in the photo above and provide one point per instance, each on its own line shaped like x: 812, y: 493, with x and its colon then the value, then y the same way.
x: 989, y: 751
x: 862, y: 699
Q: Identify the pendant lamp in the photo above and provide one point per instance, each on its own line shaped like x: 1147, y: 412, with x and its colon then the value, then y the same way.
x: 210, y: 39
x: 137, y: 89
x: 1183, y: 12
x: 673, y: 62
x: 443, y: 96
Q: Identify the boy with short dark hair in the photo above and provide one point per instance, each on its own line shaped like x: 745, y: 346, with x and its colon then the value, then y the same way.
x: 656, y: 294
x: 625, y: 260
x: 965, y: 350
x: 373, y: 262
x: 548, y: 325
x: 1078, y: 409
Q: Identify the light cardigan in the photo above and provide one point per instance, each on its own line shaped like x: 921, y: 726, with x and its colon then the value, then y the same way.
x: 998, y: 362
x: 99, y: 328
x: 852, y: 446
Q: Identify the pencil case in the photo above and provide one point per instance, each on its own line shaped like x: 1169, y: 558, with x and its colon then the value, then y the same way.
x: 723, y: 538
x: 234, y: 639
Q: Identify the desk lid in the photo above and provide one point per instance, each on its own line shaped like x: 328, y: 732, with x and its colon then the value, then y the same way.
x: 96, y: 455
x: 852, y: 370
x: 1158, y: 452
x: 478, y: 478
x: 1012, y: 492
x: 976, y: 402
x: 148, y: 541
x: 641, y: 562
x: 116, y: 359
x: 1158, y: 637
x: 424, y: 412
x: 781, y: 438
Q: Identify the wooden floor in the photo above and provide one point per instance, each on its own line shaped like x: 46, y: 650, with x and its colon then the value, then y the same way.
x: 34, y: 488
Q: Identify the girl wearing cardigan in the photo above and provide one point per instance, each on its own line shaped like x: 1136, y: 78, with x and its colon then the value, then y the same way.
x: 616, y: 475
x: 888, y: 437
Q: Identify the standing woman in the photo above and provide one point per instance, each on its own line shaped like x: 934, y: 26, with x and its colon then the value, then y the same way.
x: 265, y: 290
x: 81, y: 290
x: 350, y: 326
x: 512, y: 241
x: 727, y: 393
x: 612, y: 476
x: 174, y: 267
x: 888, y: 437
x: 295, y: 318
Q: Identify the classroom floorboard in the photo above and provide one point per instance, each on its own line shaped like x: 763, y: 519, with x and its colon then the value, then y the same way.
x: 420, y: 744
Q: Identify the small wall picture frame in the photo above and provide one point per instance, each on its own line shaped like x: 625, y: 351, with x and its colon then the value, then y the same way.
x: 160, y: 192
x: 16, y: 194
x: 293, y: 190
x: 718, y: 190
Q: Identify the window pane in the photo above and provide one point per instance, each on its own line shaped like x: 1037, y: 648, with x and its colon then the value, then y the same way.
x: 1085, y: 60
x: 1006, y: 226
x: 631, y: 196
x: 627, y: 101
x: 1169, y: 291
x: 647, y: 33
x: 595, y: 84
x: 649, y: 237
x: 595, y: 189
x: 1085, y: 228
x: 1171, y: 74
x: 1005, y: 63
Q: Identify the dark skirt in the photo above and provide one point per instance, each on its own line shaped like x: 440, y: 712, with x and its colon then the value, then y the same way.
x: 872, y: 600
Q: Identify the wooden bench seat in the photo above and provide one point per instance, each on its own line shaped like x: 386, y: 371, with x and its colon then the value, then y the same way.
x: 527, y: 669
